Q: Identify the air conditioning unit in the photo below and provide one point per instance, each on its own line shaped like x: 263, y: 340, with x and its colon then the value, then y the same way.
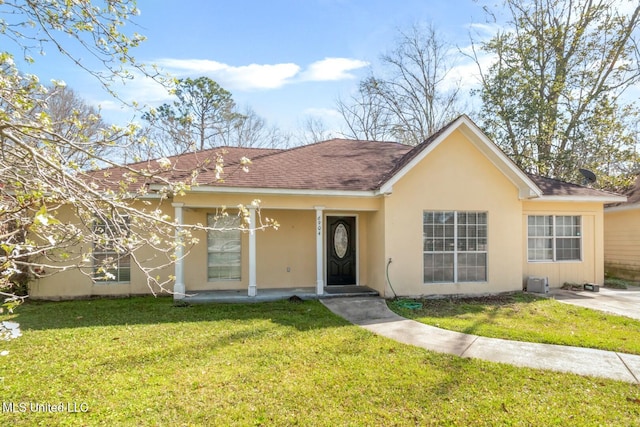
x: 538, y: 285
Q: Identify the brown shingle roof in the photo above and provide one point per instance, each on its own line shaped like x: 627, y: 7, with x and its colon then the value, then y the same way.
x: 633, y: 195
x: 337, y: 164
x: 554, y: 187
x: 182, y: 166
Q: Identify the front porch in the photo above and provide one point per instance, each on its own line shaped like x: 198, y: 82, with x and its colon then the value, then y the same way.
x: 277, y: 294
x: 315, y: 251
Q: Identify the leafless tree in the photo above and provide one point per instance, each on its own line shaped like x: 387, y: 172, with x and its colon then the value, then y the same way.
x: 313, y: 130
x: 248, y: 129
x: 73, y: 119
x: 365, y: 116
x: 413, y: 96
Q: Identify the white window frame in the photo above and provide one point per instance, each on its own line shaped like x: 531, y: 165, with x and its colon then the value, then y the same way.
x: 120, y: 260
x: 455, y: 252
x: 232, y: 223
x: 554, y: 237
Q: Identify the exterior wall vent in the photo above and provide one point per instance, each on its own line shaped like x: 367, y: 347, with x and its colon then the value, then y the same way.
x: 538, y: 285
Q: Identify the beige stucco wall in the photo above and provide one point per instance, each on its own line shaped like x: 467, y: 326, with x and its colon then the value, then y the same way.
x: 454, y: 176
x: 591, y: 268
x: 75, y: 282
x: 622, y: 243
x: 376, y: 252
x: 284, y: 257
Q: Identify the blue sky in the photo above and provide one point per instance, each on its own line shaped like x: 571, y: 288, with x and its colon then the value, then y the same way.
x: 286, y: 59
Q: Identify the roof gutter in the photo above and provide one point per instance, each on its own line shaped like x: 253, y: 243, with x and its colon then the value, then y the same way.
x: 594, y: 199
x: 275, y: 191
x: 622, y: 208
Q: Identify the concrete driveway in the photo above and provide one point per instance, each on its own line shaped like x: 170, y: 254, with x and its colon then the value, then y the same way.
x: 625, y: 302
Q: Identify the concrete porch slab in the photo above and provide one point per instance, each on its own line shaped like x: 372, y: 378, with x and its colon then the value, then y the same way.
x: 276, y: 294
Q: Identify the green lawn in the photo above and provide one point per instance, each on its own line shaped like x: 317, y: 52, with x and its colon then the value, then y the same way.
x: 141, y: 361
x: 525, y: 317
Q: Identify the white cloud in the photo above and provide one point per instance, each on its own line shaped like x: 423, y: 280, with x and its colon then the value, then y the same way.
x: 322, y: 113
x: 466, y: 73
x: 484, y: 30
x: 244, y: 77
x: 191, y: 65
x: 141, y: 89
x: 262, y: 76
x: 331, y: 69
x: 256, y: 76
x: 108, y: 104
x: 146, y: 91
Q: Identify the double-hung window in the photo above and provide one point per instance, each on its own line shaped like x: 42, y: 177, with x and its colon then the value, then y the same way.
x: 111, y: 258
x: 223, y: 247
x: 454, y: 246
x: 554, y: 238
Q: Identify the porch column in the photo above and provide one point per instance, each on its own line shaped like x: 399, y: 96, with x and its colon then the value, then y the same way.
x: 179, y: 287
x: 253, y: 288
x: 319, y: 252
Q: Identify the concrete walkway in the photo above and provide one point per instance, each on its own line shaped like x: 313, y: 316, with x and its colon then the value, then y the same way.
x: 373, y: 314
x: 624, y: 302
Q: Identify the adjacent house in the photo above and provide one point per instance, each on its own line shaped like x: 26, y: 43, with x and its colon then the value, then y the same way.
x: 622, y: 237
x: 453, y: 215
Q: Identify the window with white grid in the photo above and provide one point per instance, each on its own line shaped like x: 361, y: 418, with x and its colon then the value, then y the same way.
x: 554, y: 238
x: 111, y: 259
x: 455, y: 246
x: 223, y: 248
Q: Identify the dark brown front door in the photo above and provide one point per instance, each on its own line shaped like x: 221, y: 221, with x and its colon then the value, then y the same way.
x: 341, y: 250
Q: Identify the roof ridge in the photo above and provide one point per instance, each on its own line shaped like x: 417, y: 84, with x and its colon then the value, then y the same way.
x: 298, y: 147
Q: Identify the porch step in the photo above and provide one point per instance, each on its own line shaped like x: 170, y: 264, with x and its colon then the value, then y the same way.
x: 349, y: 291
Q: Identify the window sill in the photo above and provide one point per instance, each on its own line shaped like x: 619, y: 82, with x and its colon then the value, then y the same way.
x: 569, y: 261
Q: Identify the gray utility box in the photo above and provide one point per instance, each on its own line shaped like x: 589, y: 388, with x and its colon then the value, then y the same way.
x: 591, y: 287
x: 539, y: 285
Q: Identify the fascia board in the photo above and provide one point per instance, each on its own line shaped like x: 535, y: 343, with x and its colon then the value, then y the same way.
x: 622, y: 208
x: 275, y: 191
x: 594, y: 199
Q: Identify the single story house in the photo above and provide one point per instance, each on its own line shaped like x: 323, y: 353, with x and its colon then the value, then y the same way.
x: 622, y: 237
x: 453, y: 215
